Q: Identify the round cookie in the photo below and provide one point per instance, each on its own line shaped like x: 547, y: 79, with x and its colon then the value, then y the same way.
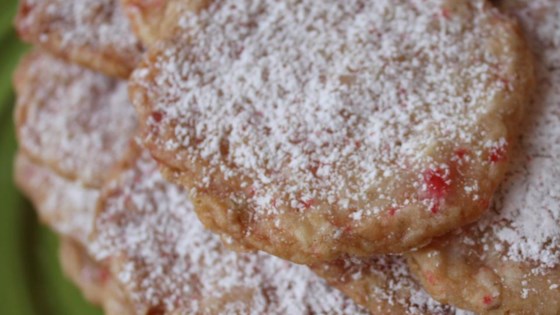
x: 92, y: 279
x: 316, y: 130
x: 168, y: 263
x: 93, y: 33
x: 509, y: 262
x: 70, y: 119
x: 152, y: 20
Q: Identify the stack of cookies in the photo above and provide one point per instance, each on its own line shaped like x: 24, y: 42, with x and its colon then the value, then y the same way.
x: 297, y: 157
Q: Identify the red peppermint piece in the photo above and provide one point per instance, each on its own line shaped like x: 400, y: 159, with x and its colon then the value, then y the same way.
x: 484, y: 203
x: 446, y: 13
x: 461, y: 153
x: 251, y: 191
x: 308, y: 203
x: 498, y: 153
x: 435, y: 208
x: 430, y: 277
x: 437, y: 183
x: 358, y: 144
x: 157, y: 116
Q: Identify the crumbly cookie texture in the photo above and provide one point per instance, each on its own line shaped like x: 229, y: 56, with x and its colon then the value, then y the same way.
x: 316, y: 130
x: 383, y: 284
x: 153, y: 20
x: 168, y: 263
x: 93, y: 33
x: 93, y: 279
x: 75, y: 121
x: 509, y: 262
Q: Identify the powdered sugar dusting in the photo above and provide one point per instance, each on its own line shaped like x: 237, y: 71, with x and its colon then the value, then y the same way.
x: 333, y: 105
x: 526, y: 218
x: 167, y: 261
x: 541, y: 19
x: 76, y: 121
x: 531, y: 209
x: 66, y: 206
x: 98, y: 24
x: 385, y: 283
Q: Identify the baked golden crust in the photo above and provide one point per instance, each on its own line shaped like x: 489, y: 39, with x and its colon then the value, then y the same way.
x: 297, y: 146
x: 59, y: 113
x: 92, y: 33
x: 509, y: 261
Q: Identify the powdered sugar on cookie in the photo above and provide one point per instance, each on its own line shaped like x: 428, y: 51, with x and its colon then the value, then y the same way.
x: 269, y: 88
x: 384, y: 283
x: 167, y: 261
x: 526, y: 215
x: 352, y: 112
x: 531, y: 209
x: 66, y: 206
x: 508, y: 262
x: 541, y: 20
x: 77, y: 121
x: 99, y: 24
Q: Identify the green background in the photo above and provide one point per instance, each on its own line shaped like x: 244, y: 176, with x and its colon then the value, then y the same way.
x: 31, y: 282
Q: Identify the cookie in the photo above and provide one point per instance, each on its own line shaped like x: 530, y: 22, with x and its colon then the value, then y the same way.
x: 94, y: 280
x: 93, y: 33
x: 168, y: 263
x: 541, y: 20
x: 383, y: 284
x: 59, y: 113
x: 318, y: 130
x: 69, y: 208
x: 65, y: 206
x: 152, y: 20
x: 509, y: 262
